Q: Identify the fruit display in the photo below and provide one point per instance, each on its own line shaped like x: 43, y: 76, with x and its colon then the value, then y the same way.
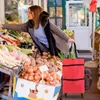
x: 69, y: 33
x: 45, y: 69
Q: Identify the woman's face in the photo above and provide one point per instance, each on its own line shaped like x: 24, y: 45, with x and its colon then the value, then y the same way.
x: 30, y: 15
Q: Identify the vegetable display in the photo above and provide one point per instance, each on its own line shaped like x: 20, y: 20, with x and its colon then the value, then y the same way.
x: 45, y: 69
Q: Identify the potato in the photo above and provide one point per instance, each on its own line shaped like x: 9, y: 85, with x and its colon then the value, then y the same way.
x: 35, y: 69
x: 38, y: 61
x: 37, y: 78
x: 49, y: 78
x: 49, y: 56
x: 45, y: 61
x: 54, y: 57
x: 51, y: 70
x: 45, y: 53
x: 58, y: 77
x: 31, y: 74
x: 30, y: 69
x: 33, y: 62
x: 47, y: 83
x: 44, y: 57
x: 59, y: 67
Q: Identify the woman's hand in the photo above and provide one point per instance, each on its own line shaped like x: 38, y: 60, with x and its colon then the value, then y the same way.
x: 71, y: 40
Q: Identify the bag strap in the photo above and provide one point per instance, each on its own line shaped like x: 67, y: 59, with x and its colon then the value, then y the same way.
x: 75, y: 49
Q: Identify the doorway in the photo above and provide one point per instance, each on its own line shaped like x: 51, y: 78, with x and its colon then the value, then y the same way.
x: 79, y: 20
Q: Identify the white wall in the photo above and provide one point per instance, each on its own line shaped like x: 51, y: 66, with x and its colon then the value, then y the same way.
x: 2, y: 15
x: 38, y: 2
x: 45, y: 5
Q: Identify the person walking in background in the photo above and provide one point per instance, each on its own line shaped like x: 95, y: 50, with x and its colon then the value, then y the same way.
x: 46, y: 36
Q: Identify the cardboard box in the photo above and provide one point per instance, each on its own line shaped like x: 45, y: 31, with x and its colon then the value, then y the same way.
x: 27, y: 90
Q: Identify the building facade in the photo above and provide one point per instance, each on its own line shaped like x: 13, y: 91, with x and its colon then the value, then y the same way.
x: 66, y: 14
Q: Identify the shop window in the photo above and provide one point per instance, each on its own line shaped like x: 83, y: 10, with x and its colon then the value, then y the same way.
x: 59, y: 2
x: 78, y: 15
x: 52, y: 12
x: 56, y: 10
x: 59, y: 22
x: 52, y: 2
x: 11, y: 12
x: 59, y: 12
x: 16, y: 10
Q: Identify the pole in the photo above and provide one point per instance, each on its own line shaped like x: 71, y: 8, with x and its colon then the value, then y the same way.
x: 93, y: 32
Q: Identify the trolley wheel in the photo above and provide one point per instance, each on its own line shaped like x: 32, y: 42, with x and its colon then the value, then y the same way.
x: 60, y: 99
x: 65, y: 95
x: 82, y: 95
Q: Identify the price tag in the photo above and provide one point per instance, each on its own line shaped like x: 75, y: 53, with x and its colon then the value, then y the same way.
x: 43, y: 68
x: 59, y: 63
x: 59, y: 73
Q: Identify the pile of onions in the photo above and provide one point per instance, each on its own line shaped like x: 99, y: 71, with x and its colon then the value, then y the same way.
x: 31, y: 70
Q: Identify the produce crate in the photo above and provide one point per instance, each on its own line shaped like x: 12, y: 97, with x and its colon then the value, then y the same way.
x: 27, y: 90
x: 39, y: 80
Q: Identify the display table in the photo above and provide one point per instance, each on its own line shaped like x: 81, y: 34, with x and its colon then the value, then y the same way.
x: 12, y: 73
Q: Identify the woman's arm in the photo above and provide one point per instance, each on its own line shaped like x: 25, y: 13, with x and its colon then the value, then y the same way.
x: 17, y: 27
x: 59, y: 32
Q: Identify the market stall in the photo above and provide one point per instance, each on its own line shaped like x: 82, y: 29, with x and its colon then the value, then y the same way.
x: 10, y: 64
x: 12, y: 58
x: 34, y: 73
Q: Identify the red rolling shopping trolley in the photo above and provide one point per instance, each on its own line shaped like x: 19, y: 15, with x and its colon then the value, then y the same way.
x: 73, y: 75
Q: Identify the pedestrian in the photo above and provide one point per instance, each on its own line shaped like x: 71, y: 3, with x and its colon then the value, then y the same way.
x: 46, y: 36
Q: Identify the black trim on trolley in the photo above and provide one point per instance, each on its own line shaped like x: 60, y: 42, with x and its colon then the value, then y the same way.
x: 73, y: 65
x: 73, y: 79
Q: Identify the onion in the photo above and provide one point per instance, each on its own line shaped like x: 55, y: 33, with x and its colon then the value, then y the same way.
x: 31, y: 74
x: 35, y: 69
x: 30, y: 69
x: 37, y: 77
x: 26, y: 76
x: 30, y: 78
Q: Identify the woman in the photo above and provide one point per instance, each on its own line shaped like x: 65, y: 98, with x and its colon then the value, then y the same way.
x: 46, y: 36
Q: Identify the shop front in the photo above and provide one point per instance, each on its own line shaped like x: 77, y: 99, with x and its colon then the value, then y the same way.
x: 66, y: 14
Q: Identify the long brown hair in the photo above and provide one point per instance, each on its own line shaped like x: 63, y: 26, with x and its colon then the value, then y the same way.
x: 37, y: 10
